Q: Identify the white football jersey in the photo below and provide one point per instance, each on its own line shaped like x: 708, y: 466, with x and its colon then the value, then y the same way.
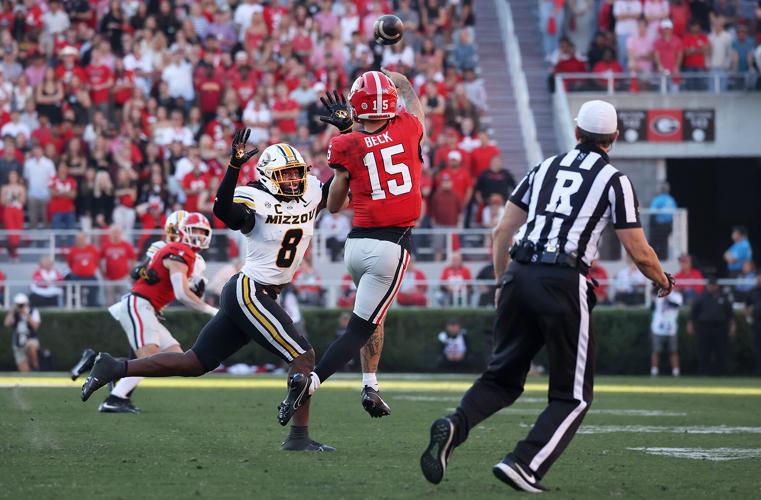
x: 281, y: 235
x: 199, y: 268
x: 666, y: 314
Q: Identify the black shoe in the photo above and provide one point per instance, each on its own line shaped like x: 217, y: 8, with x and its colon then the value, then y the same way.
x: 434, y: 460
x: 115, y: 404
x: 298, y: 394
x: 518, y: 476
x: 105, y: 370
x: 373, y: 403
x: 84, y: 364
x: 304, y: 445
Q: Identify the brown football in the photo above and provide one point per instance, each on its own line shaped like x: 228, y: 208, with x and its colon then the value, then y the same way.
x: 388, y: 29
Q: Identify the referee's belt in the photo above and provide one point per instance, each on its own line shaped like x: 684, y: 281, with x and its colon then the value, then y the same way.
x: 526, y: 252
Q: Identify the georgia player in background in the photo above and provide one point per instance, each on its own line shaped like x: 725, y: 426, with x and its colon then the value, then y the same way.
x: 165, y: 279
x: 197, y: 285
x: 381, y: 163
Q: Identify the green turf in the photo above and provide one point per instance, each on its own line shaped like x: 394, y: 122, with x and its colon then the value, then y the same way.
x: 204, y: 443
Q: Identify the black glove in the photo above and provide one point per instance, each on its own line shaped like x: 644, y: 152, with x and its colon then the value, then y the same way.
x: 198, y: 287
x: 238, y: 155
x: 662, y: 292
x: 339, y: 115
x: 136, y: 271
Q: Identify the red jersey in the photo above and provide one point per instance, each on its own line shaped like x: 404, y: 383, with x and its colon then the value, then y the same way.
x: 83, y: 262
x: 117, y: 258
x: 160, y: 294
x: 58, y: 202
x: 384, y: 171
x: 97, y: 76
x: 192, y: 182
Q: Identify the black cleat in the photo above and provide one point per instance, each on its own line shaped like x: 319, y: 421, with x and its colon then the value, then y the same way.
x: 298, y: 394
x: 105, y: 370
x: 373, y: 403
x: 115, y: 404
x: 305, y: 445
x: 517, y: 476
x: 84, y: 364
x: 433, y: 463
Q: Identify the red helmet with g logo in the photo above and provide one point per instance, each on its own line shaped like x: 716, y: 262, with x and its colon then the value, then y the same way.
x: 373, y: 97
x: 195, y: 231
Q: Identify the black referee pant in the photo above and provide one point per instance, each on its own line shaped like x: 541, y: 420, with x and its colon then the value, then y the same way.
x: 539, y: 305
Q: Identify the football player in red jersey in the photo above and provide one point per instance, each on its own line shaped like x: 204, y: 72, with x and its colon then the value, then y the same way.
x: 381, y: 163
x: 166, y: 279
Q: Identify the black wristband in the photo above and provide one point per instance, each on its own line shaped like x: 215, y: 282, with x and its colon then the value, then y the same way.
x: 326, y: 188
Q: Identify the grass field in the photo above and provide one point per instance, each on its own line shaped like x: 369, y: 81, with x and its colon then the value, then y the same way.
x: 217, y: 437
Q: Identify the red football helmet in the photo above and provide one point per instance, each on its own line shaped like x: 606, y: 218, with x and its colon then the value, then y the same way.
x: 373, y: 97
x: 195, y: 231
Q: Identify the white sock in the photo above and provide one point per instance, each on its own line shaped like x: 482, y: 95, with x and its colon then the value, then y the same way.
x: 315, y: 383
x: 653, y: 371
x: 675, y: 372
x: 125, y: 386
x: 369, y: 380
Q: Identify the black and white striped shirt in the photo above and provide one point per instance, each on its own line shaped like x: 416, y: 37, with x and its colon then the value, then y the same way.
x: 570, y: 198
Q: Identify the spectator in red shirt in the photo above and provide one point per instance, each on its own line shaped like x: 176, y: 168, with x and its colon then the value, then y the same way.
x: 308, y: 283
x: 445, y: 211
x: 193, y: 184
x: 696, y: 47
x: 608, y: 65
x: 83, y: 262
x: 688, y: 273
x: 63, y: 190
x: 69, y: 66
x: 668, y: 51
x: 124, y: 83
x: 117, y: 258
x: 481, y: 156
x: 101, y: 79
x: 45, y: 288
x: 412, y: 291
x: 285, y: 111
x: 455, y: 292
x: 450, y: 140
x: 598, y: 273
x: 209, y: 92
x: 462, y: 182
x: 569, y: 63
x: 348, y: 292
x: 680, y: 15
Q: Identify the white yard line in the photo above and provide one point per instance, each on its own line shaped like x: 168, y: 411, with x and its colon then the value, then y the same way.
x: 713, y: 454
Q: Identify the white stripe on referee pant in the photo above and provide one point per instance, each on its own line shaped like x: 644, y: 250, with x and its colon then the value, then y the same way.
x: 255, y: 322
x: 578, y: 379
x: 275, y: 322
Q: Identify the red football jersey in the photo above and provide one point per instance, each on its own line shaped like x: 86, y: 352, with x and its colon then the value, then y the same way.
x: 384, y: 171
x: 160, y: 294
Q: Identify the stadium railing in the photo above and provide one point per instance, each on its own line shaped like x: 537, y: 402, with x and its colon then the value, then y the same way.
x: 663, y: 83
x: 473, y: 293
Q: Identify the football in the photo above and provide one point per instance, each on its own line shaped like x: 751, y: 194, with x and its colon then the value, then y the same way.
x: 388, y: 29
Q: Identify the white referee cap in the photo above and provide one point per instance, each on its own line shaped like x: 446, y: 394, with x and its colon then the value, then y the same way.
x: 597, y: 117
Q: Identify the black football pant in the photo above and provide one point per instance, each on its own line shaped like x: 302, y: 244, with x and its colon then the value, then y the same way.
x: 713, y: 343
x: 539, y: 306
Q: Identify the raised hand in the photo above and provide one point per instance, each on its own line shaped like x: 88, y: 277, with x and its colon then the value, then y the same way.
x: 238, y: 155
x: 339, y: 115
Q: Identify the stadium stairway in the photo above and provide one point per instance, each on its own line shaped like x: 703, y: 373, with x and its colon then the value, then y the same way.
x: 506, y: 128
x: 526, y: 21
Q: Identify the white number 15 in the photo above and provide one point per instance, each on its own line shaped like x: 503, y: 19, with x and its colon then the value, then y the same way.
x: 394, y: 188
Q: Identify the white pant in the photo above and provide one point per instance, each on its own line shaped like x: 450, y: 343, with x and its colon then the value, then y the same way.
x: 139, y: 321
x: 377, y: 268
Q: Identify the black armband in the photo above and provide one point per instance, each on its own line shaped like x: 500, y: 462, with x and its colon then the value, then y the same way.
x: 236, y: 216
x: 326, y: 188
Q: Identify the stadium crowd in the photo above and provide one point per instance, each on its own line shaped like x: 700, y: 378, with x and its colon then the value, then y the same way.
x: 720, y: 39
x: 118, y: 112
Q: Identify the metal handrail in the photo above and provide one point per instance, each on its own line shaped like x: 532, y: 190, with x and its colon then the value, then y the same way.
x: 664, y: 80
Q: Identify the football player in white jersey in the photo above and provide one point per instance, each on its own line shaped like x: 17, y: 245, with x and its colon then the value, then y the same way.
x: 277, y: 215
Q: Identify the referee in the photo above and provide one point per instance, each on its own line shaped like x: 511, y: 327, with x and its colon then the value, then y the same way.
x: 552, y: 224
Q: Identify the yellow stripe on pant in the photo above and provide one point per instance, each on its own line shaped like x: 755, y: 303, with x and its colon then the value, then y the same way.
x: 263, y: 319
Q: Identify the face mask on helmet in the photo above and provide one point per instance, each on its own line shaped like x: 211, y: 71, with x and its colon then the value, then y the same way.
x: 195, y: 231
x: 282, y: 170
